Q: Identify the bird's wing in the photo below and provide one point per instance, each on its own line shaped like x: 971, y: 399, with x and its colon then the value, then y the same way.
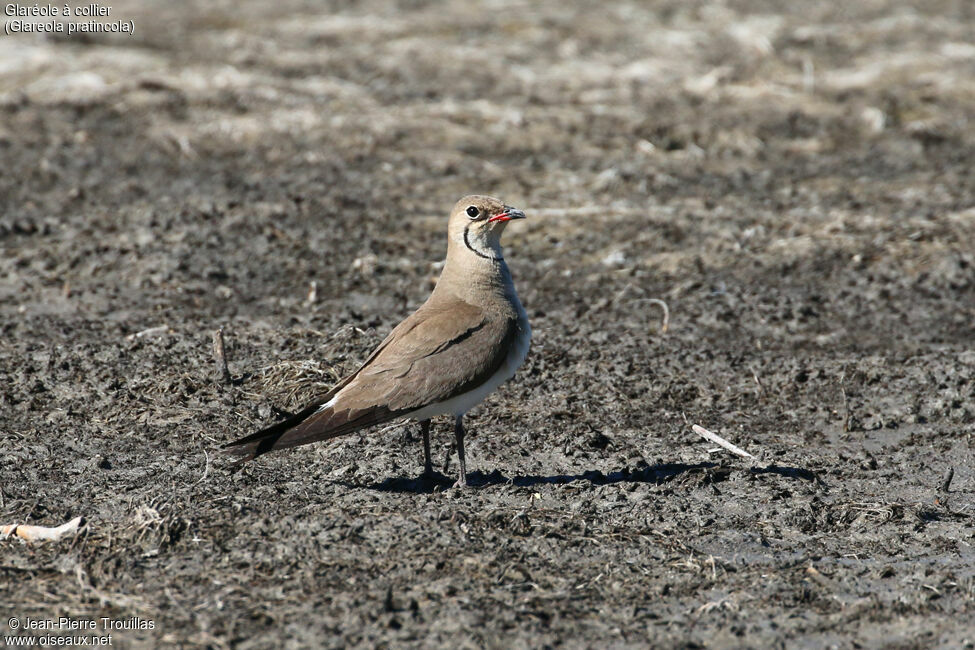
x: 454, y: 349
x: 444, y: 349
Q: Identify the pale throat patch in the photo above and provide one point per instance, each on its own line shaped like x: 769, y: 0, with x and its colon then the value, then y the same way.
x: 477, y: 245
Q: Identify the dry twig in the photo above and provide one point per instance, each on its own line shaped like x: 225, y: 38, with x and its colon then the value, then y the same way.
x: 220, y: 357
x: 665, y: 320
x: 715, y: 438
x: 152, y: 331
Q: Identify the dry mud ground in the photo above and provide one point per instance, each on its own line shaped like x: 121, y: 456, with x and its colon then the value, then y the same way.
x: 793, y: 179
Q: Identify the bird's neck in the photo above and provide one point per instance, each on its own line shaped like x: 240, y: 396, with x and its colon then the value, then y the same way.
x: 474, y: 278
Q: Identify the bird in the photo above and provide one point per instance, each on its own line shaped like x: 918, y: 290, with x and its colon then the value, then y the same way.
x: 470, y: 336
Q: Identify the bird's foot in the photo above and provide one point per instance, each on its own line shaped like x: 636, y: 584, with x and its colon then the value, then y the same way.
x: 460, y: 483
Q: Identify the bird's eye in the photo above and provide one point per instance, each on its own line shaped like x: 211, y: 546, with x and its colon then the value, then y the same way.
x: 472, y: 212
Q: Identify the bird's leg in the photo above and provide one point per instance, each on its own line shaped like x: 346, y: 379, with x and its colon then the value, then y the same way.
x: 427, y: 463
x: 459, y: 434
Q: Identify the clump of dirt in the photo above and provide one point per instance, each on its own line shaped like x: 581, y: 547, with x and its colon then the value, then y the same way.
x: 795, y: 183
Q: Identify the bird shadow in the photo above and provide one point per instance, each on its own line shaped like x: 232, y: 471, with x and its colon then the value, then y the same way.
x: 656, y: 474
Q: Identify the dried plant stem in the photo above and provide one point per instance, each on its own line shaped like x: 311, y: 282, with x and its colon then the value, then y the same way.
x: 220, y: 357
x: 715, y: 438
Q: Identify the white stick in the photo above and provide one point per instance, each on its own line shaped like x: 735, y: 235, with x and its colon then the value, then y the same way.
x: 715, y: 438
x: 660, y: 303
x: 152, y: 331
x: 41, y: 533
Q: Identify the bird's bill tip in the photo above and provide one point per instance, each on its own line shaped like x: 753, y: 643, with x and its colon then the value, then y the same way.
x: 508, y: 215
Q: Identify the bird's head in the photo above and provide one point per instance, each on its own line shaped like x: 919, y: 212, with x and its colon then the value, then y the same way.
x: 476, y: 224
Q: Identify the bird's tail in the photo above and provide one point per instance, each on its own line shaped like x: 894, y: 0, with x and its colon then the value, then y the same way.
x: 265, y: 440
x: 318, y: 421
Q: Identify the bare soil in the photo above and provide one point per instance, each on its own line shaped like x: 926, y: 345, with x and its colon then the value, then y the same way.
x: 795, y: 180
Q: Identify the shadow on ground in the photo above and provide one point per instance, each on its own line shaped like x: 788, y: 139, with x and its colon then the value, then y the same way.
x: 656, y: 474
